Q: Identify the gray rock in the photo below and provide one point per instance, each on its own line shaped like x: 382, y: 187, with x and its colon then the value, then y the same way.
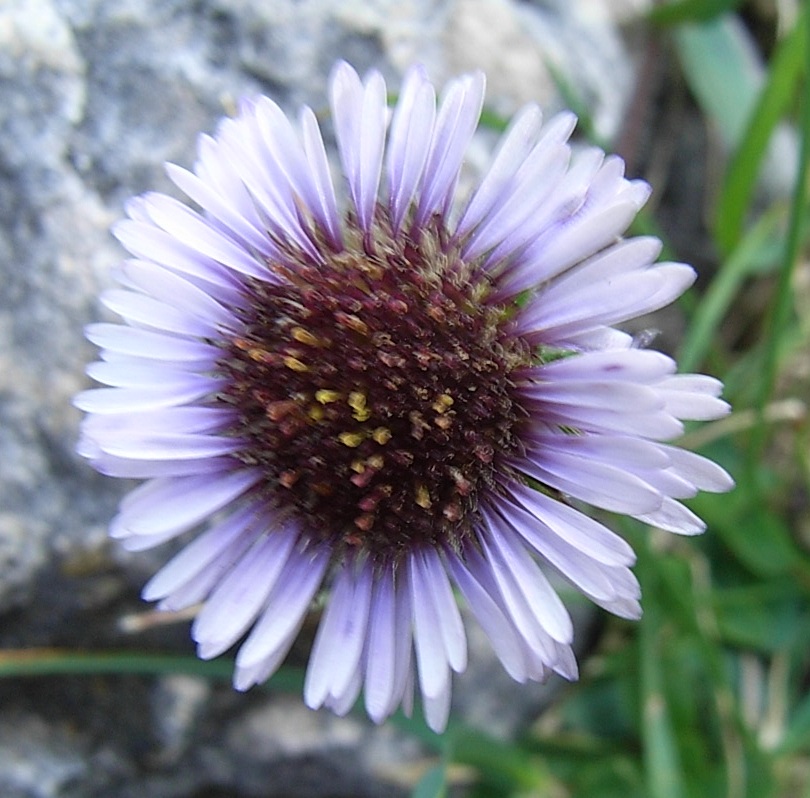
x: 38, y: 759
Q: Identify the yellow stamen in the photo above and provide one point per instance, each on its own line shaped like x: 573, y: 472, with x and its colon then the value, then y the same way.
x: 351, y: 439
x: 295, y: 364
x: 422, y: 497
x: 353, y: 322
x: 381, y: 435
x: 443, y: 402
x: 259, y: 355
x: 304, y: 336
x: 325, y: 397
x: 357, y: 401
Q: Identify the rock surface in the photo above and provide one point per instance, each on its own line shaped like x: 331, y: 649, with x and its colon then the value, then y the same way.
x: 94, y: 96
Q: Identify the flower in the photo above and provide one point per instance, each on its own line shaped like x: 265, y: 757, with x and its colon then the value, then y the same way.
x: 381, y: 396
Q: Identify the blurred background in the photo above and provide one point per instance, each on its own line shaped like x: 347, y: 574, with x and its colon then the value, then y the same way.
x: 708, y: 696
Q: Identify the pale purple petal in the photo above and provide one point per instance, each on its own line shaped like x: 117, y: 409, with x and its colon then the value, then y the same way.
x: 627, y: 255
x: 574, y: 527
x: 340, y: 703
x: 558, y: 312
x: 656, y: 425
x: 173, y: 419
x: 621, y: 450
x: 441, y: 597
x: 434, y: 670
x: 608, y: 394
x: 106, y: 401
x: 437, y: 708
x: 380, y: 655
x: 236, y: 601
x: 693, y: 396
x: 244, y: 145
x: 523, y: 585
x: 598, y: 339
x: 326, y: 211
x: 285, y: 610
x: 215, y: 169
x: 190, y: 229
x: 636, y: 365
x: 130, y: 373
x: 126, y: 468
x: 403, y: 637
x: 540, y: 649
x: 220, y: 545
x: 409, y: 140
x: 309, y: 179
x: 148, y: 242
x: 702, y: 472
x: 515, y: 222
x: 458, y: 116
x: 175, y: 505
x: 674, y: 517
x: 169, y: 446
x: 516, y: 143
x: 596, y: 483
x: 143, y: 310
x: 360, y: 114
x: 221, y: 208
x: 135, y: 342
x: 493, y: 621
x: 592, y: 577
x: 336, y: 653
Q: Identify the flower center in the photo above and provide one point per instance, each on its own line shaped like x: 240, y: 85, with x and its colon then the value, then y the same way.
x: 374, y: 392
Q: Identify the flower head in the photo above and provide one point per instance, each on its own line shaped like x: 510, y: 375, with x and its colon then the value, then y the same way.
x: 392, y: 393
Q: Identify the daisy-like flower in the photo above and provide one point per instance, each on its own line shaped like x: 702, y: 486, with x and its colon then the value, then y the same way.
x: 385, y: 396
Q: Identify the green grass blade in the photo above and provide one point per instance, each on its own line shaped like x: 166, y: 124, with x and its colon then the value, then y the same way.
x: 722, y: 68
x: 433, y: 784
x: 783, y: 304
x: 757, y: 250
x: 500, y: 764
x: 662, y: 765
x: 797, y: 735
x: 34, y: 662
x: 780, y: 87
x: 690, y: 11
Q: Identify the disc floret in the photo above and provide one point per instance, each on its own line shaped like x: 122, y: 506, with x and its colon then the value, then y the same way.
x: 375, y: 391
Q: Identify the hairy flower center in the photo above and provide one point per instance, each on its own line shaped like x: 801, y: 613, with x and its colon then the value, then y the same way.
x: 374, y: 392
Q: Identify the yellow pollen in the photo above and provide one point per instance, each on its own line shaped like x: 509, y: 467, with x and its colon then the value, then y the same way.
x: 304, y: 336
x: 295, y: 364
x: 358, y: 466
x: 354, y: 323
x: 422, y: 497
x: 316, y: 412
x: 351, y: 439
x: 375, y: 461
x: 357, y: 402
x: 381, y: 435
x: 325, y: 397
x: 257, y: 354
x: 443, y: 402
